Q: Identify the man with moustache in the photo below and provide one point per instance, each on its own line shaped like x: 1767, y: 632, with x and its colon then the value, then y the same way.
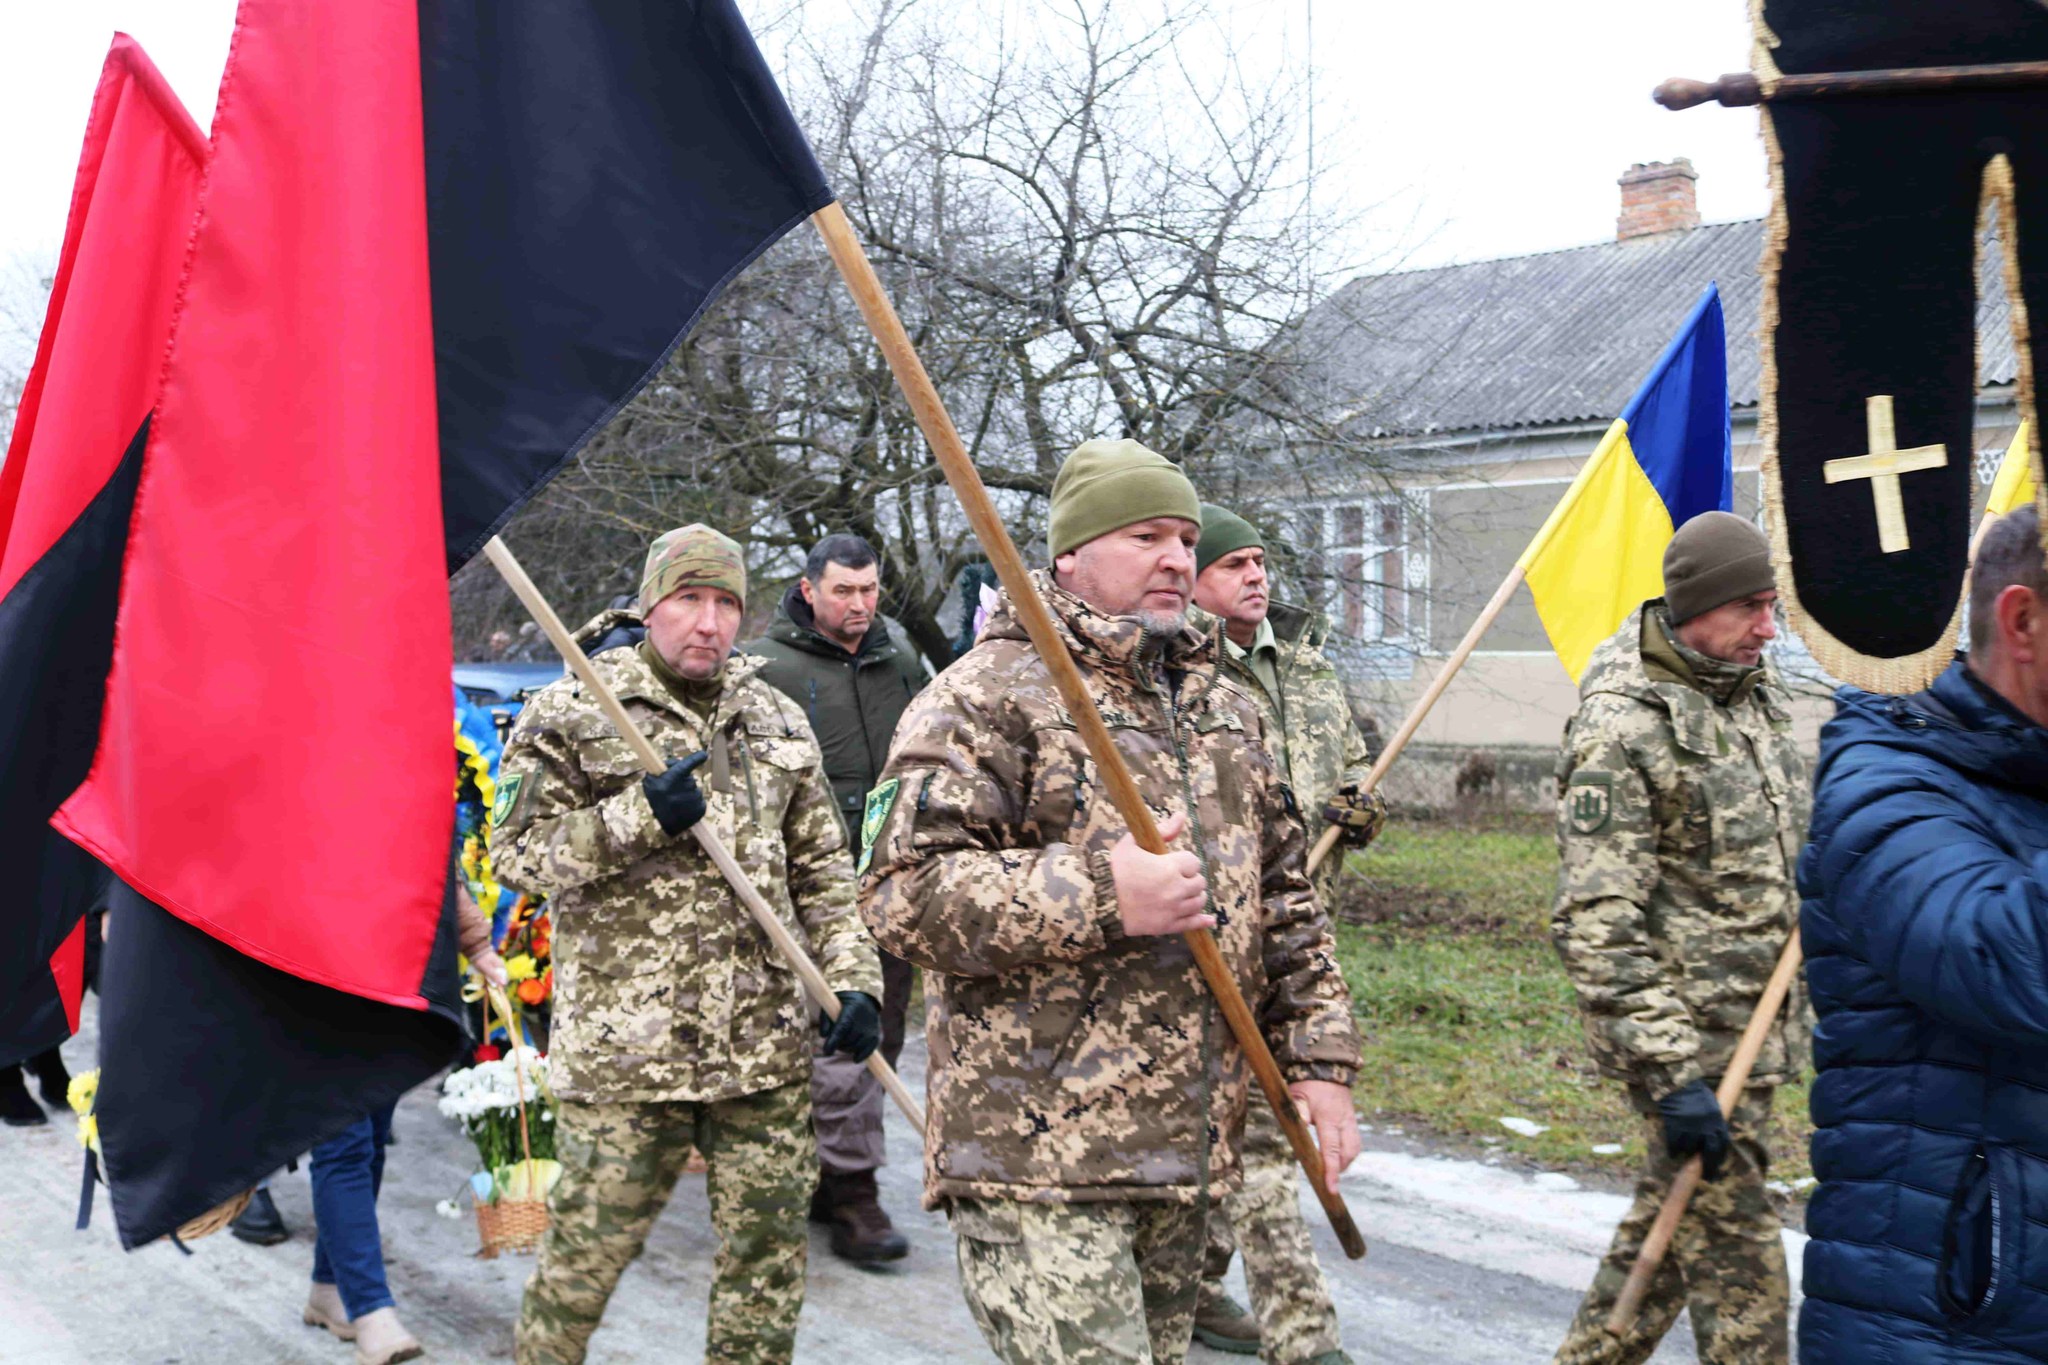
x: 677, y: 1024
x: 1271, y: 651
x: 830, y: 652
x: 1085, y: 1093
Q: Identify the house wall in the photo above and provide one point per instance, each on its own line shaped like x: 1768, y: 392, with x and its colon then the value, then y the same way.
x: 1473, y: 519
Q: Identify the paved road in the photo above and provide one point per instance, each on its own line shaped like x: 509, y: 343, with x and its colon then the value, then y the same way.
x: 1469, y: 1263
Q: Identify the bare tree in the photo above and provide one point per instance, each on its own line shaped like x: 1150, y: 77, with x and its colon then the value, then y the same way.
x: 1095, y: 222
x: 25, y: 282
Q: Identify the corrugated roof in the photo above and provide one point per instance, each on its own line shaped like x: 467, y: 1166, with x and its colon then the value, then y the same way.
x: 1558, y: 337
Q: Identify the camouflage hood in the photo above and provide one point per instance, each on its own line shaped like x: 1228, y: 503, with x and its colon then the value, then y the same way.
x: 1068, y: 1061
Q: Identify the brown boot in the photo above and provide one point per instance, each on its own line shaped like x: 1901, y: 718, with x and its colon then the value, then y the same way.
x: 861, y: 1232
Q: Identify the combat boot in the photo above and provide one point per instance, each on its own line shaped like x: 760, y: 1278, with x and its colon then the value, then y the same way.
x: 381, y: 1339
x: 861, y: 1232
x: 17, y: 1110
x: 1224, y: 1324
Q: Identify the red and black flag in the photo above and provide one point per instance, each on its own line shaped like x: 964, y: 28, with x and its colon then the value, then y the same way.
x: 1885, y: 180
x: 438, y: 244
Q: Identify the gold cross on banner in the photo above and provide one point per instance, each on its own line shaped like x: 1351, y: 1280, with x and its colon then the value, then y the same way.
x: 1883, y: 466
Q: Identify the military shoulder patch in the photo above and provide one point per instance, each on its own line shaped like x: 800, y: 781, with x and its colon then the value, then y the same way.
x: 508, y: 797
x: 880, y: 801
x: 1589, y: 801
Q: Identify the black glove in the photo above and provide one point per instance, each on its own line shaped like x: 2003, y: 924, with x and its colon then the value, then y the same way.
x: 1693, y: 1122
x: 677, y: 799
x: 858, y: 1029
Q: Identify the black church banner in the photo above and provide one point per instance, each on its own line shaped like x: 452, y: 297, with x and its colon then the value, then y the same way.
x: 1881, y: 203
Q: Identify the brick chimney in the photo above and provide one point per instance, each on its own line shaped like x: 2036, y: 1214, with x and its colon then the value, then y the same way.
x: 1657, y: 196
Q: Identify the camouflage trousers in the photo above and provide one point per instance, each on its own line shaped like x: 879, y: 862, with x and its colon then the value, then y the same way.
x: 1081, y: 1284
x: 620, y: 1163
x: 1297, y: 1322
x: 1726, y: 1264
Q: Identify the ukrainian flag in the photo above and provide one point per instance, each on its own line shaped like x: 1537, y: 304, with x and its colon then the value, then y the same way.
x: 1665, y: 460
x: 2014, y: 486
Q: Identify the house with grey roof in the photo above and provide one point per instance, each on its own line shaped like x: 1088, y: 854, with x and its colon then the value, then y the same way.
x: 1483, y: 388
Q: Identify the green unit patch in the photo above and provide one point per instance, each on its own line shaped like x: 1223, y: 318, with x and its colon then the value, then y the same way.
x: 508, y: 797
x: 1590, y: 801
x: 880, y: 801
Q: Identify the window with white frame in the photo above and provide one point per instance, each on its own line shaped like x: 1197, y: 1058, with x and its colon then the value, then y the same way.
x: 1359, y: 548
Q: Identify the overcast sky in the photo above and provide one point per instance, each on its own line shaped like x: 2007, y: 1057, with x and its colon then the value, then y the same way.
x: 1476, y: 129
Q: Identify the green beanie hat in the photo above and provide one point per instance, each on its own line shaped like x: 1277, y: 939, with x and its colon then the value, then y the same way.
x: 692, y: 556
x: 1106, y: 485
x: 1223, y: 533
x: 1716, y: 558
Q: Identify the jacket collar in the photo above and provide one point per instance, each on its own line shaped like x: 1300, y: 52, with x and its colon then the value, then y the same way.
x: 1665, y: 654
x: 1958, y: 722
x: 630, y: 677
x: 1118, y: 643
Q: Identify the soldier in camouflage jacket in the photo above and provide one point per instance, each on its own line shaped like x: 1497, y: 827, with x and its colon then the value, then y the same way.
x: 1682, y: 806
x: 676, y: 1021
x: 1085, y: 1091
x: 1274, y: 653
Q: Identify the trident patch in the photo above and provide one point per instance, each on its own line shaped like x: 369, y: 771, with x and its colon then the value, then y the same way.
x: 880, y: 801
x: 1590, y: 801
x: 508, y: 797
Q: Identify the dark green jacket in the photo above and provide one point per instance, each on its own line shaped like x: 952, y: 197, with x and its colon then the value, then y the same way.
x: 852, y: 701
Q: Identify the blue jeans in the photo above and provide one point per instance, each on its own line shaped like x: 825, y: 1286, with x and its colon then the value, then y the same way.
x: 348, y: 1252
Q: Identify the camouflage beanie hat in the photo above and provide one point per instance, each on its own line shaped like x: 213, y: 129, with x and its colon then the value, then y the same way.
x: 1105, y: 485
x: 692, y: 556
x: 1716, y: 558
x: 1224, y: 533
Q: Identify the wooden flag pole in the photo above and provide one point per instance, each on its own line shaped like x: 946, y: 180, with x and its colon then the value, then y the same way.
x: 793, y: 953
x: 939, y: 433
x: 1658, y: 1242
x: 1501, y: 596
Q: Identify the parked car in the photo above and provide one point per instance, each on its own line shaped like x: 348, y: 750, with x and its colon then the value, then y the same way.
x: 502, y: 688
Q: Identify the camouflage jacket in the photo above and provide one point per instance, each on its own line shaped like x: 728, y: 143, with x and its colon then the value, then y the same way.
x: 1308, y: 726
x: 665, y: 988
x: 1069, y: 1062
x: 1682, y: 806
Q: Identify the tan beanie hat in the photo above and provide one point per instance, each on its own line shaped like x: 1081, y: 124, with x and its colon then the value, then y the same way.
x: 1715, y: 558
x: 1105, y: 485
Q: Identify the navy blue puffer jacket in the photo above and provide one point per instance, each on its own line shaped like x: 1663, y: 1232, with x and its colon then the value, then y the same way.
x: 1925, y: 923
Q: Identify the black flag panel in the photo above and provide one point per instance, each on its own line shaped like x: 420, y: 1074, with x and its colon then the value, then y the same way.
x: 1870, y: 318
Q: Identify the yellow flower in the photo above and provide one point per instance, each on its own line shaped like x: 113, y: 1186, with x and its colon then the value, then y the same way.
x: 521, y: 967
x: 89, y: 1132
x: 83, y: 1091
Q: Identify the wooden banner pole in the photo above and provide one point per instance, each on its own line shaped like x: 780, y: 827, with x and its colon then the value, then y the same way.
x: 1658, y: 1241
x: 1501, y: 596
x: 793, y: 953
x: 925, y: 404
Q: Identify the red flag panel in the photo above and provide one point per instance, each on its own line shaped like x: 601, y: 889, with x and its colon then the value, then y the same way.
x: 282, y: 651
x: 100, y: 356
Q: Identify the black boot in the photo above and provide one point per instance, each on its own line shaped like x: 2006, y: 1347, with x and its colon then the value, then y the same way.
x: 52, y: 1078
x: 861, y: 1232
x: 260, y: 1224
x: 17, y: 1110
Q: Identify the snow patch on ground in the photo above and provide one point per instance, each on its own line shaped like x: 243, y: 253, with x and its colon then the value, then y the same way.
x: 1545, y: 1226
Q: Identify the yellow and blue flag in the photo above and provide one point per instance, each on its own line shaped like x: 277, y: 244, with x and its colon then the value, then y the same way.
x: 2014, y: 486
x: 1665, y: 460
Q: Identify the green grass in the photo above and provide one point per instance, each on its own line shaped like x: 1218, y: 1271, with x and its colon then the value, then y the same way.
x: 1466, y: 1014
